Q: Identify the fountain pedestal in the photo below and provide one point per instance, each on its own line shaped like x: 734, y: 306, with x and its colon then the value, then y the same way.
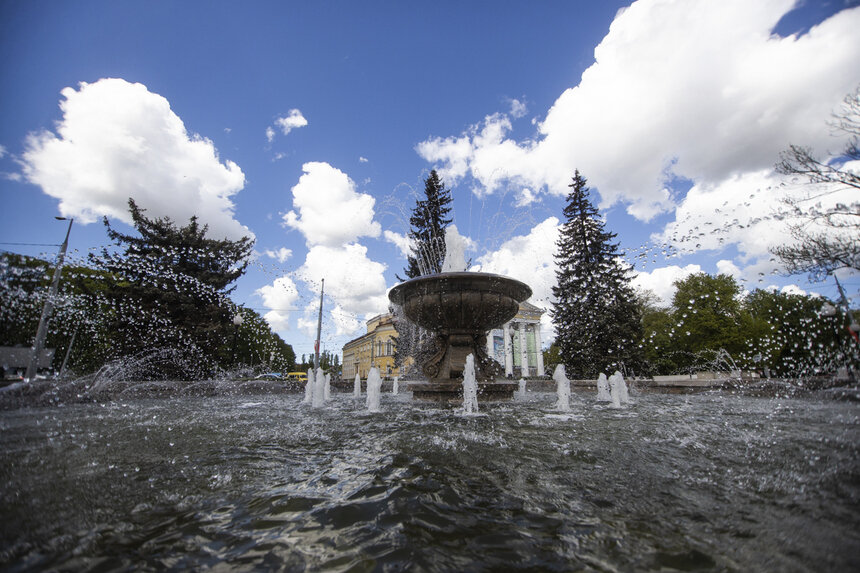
x: 458, y: 309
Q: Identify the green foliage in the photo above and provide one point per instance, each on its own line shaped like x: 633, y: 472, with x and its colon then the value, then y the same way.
x: 551, y: 357
x: 24, y: 284
x: 597, y: 320
x: 707, y: 316
x: 255, y: 345
x: 166, y: 289
x: 329, y: 361
x: 788, y: 335
x: 657, y: 322
x: 711, y: 325
x: 177, y: 279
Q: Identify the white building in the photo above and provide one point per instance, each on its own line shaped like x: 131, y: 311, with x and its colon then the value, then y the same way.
x: 517, y: 345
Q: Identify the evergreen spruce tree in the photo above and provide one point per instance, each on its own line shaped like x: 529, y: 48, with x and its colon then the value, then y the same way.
x: 427, y: 234
x: 427, y: 229
x: 597, y: 322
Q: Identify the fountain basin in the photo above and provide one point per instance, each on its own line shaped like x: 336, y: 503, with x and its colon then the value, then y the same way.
x: 458, y: 309
x: 460, y: 301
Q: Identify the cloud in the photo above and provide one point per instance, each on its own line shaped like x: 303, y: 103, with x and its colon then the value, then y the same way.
x: 661, y: 281
x: 280, y: 296
x: 699, y: 90
x: 530, y: 259
x: 748, y: 211
x: 736, y: 211
x: 363, y: 159
x: 118, y: 140
x: 525, y: 197
x: 402, y: 242
x: 518, y: 109
x: 2, y: 151
x: 354, y: 284
x: 328, y: 210
x: 286, y: 124
x: 281, y: 254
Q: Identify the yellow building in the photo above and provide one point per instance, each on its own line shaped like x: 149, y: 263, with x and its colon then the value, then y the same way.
x: 374, y: 349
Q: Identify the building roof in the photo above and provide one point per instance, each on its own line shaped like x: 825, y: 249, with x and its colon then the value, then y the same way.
x: 526, y: 306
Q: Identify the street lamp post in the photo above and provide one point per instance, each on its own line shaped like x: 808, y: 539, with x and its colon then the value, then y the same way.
x: 237, y: 322
x: 42, y: 331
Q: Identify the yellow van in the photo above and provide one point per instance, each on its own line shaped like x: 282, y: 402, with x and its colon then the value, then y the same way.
x: 298, y: 376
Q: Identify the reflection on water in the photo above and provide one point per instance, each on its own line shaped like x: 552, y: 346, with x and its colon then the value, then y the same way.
x: 694, y: 482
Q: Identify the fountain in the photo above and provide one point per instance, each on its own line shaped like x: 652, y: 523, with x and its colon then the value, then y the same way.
x: 562, y: 388
x: 356, y: 386
x: 309, y: 387
x: 374, y: 387
x: 458, y: 308
x: 318, y: 387
x: 618, y: 390
x: 603, y: 393
x: 470, y: 387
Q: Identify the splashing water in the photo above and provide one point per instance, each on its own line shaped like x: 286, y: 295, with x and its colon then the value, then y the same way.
x: 356, y: 386
x: 455, y: 251
x: 319, y: 388
x: 309, y: 388
x: 271, y: 484
x: 562, y: 388
x: 374, y: 387
x: 327, y: 387
x: 522, y: 387
x: 470, y: 387
x: 603, y: 394
x: 618, y: 390
x: 395, y: 385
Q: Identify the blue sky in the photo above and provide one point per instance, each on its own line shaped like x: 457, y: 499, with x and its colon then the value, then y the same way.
x: 311, y: 125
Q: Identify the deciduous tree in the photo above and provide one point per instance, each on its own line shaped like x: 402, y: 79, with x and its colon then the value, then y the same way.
x: 828, y: 239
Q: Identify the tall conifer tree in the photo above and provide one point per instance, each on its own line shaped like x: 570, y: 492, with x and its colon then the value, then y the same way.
x: 427, y: 229
x: 171, y: 287
x: 596, y: 318
x: 427, y: 234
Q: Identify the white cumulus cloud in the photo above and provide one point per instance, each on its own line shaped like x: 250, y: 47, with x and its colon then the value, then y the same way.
x: 661, y: 281
x: 402, y: 242
x: 328, y: 210
x: 354, y: 284
x: 280, y: 296
x: 118, y: 140
x: 286, y: 124
x: 281, y: 255
x: 698, y: 89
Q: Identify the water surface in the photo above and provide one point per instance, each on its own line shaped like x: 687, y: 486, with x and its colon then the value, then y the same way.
x: 705, y: 482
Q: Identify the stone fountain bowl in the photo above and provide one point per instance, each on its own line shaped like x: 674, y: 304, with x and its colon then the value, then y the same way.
x: 460, y: 302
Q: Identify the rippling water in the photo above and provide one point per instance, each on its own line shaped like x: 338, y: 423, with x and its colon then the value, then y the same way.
x: 690, y: 482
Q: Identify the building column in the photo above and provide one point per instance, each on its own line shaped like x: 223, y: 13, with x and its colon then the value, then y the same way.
x: 490, y: 345
x: 524, y: 350
x: 509, y: 351
x: 538, y: 350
